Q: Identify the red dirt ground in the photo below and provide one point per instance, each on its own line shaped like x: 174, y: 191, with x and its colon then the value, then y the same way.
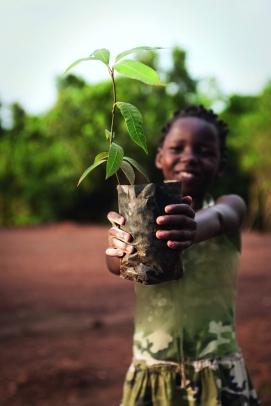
x: 66, y: 323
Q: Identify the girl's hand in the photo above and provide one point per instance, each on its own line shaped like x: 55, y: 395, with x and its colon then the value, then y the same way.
x: 183, y: 216
x: 117, y: 238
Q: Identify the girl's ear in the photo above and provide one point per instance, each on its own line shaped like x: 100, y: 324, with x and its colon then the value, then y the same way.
x: 159, y: 159
x: 221, y: 169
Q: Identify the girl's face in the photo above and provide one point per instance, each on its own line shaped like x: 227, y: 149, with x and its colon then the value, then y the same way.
x: 191, y: 154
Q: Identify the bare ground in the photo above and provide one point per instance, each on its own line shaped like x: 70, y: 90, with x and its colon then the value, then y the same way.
x: 66, y: 324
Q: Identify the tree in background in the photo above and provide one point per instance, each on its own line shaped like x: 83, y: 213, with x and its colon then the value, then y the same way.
x: 10, y: 173
x: 251, y: 122
x: 2, y: 130
x: 43, y: 157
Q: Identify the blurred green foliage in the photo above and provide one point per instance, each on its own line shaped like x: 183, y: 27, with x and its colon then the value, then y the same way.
x: 43, y: 157
x: 250, y: 121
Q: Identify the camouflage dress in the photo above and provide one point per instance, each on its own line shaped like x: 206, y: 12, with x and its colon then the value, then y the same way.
x: 185, y: 351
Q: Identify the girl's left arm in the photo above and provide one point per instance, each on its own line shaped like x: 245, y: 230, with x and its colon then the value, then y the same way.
x: 224, y: 217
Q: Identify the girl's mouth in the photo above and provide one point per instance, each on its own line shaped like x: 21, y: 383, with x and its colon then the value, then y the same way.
x: 186, y: 175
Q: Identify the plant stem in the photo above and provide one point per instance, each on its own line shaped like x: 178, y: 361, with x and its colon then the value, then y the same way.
x: 117, y: 178
x: 114, y: 104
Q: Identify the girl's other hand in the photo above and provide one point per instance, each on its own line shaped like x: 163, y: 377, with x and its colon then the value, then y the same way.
x: 181, y: 215
x: 117, y: 238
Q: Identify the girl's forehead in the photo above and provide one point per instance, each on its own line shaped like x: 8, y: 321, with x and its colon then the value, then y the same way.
x: 194, y: 127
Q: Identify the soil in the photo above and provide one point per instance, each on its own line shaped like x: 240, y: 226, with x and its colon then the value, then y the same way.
x: 67, y: 323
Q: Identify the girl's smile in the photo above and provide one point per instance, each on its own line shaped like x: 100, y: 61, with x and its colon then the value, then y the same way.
x: 191, y: 154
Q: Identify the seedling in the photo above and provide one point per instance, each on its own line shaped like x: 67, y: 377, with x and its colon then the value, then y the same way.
x: 115, y: 158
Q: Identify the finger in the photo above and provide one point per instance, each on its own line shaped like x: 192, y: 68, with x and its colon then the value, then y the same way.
x: 176, y: 235
x: 179, y: 245
x: 187, y: 200
x: 116, y: 243
x: 177, y: 220
x: 114, y: 252
x: 180, y: 209
x: 115, y: 218
x: 120, y: 234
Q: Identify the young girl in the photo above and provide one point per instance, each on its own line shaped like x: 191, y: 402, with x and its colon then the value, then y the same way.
x: 185, y: 350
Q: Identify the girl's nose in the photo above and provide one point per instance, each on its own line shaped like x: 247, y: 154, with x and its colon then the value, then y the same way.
x: 188, y: 156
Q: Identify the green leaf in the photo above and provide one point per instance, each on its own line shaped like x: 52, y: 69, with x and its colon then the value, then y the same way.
x: 133, y: 120
x: 114, y: 161
x: 137, y: 49
x: 107, y: 134
x: 139, y: 71
x: 101, y: 55
x: 137, y: 166
x: 98, y: 55
x: 90, y: 169
x: 100, y: 156
x: 128, y: 172
x: 76, y: 63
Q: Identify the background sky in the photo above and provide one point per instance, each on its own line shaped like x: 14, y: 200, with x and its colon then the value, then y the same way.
x: 228, y: 39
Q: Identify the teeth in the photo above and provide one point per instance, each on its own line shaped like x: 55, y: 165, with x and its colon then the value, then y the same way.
x: 187, y: 174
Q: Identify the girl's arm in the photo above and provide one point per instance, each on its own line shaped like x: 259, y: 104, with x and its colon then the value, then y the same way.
x: 224, y: 217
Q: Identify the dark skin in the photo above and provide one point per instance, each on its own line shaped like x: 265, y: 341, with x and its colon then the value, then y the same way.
x: 190, y: 154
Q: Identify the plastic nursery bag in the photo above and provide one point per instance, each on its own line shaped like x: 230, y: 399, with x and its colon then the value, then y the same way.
x: 153, y: 261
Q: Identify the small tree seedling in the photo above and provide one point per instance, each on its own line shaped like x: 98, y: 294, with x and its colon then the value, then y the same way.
x: 115, y: 158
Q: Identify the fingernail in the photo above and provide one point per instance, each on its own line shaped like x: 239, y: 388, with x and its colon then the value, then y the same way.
x: 160, y: 220
x: 168, y: 208
x: 160, y: 234
x: 171, y: 244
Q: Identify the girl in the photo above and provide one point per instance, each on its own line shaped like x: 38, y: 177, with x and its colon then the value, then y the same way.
x: 185, y: 350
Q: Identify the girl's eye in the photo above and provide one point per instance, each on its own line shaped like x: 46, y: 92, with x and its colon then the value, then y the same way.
x: 176, y: 149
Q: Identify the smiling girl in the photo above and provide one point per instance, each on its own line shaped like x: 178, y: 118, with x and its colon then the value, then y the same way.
x: 185, y: 351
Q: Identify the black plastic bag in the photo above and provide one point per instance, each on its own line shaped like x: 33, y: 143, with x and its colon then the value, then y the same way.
x: 153, y: 261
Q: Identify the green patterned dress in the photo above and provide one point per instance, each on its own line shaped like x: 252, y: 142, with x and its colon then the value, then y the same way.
x: 185, y: 351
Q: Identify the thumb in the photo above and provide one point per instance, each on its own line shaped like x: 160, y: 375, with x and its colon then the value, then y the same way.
x: 187, y: 200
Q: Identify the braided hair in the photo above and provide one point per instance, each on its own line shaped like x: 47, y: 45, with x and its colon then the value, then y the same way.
x: 203, y: 113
